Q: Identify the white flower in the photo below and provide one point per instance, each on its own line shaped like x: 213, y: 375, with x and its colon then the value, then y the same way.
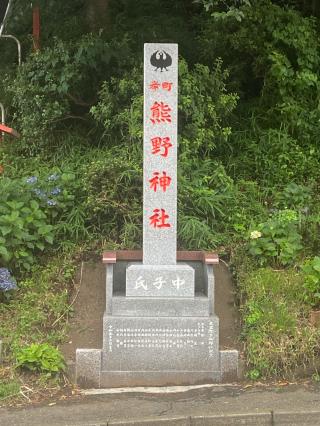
x: 255, y: 234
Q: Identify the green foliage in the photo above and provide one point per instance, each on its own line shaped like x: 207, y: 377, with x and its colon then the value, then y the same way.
x: 9, y: 389
x: 59, y: 84
x: 277, y: 336
x: 113, y: 184
x: 42, y: 298
x: 277, y: 241
x: 24, y: 228
x: 311, y: 271
x: 204, y: 106
x: 41, y: 357
x: 296, y: 197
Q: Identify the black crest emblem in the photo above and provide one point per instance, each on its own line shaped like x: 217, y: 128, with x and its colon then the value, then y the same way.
x: 161, y: 59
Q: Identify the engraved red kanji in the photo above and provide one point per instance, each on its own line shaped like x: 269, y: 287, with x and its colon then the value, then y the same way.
x: 160, y: 181
x: 160, y: 113
x: 166, y: 85
x: 161, y: 145
x: 154, y: 85
x: 158, y: 219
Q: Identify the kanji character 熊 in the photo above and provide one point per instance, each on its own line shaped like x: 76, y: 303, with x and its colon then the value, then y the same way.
x: 160, y: 113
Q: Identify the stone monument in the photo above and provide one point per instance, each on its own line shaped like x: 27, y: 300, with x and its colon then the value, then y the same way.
x: 159, y: 327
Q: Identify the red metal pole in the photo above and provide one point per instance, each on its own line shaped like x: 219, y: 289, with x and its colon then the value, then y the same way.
x: 36, y: 28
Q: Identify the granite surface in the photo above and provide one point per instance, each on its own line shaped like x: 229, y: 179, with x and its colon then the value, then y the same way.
x: 160, y: 154
x: 161, y: 344
x: 160, y: 281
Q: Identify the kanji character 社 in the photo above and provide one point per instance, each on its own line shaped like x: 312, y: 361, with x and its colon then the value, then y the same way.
x: 158, y: 219
x: 162, y: 181
x: 158, y: 143
x: 160, y: 113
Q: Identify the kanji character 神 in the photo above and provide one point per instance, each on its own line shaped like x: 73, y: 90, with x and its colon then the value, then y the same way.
x: 160, y: 113
x: 162, y: 181
x: 158, y: 143
x: 158, y: 219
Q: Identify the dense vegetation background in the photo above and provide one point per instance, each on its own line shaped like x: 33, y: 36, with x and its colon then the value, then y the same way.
x: 249, y: 122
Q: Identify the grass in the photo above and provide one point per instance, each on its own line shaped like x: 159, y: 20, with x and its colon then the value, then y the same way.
x: 41, y: 299
x: 279, y: 341
x: 9, y: 389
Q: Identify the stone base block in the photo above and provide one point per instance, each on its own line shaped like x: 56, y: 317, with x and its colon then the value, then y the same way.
x: 162, y: 307
x: 88, y: 368
x: 229, y: 361
x: 139, y: 344
x: 116, y: 379
x: 160, y: 281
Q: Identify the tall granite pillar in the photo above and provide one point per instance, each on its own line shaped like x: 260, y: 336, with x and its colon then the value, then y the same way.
x: 159, y: 326
x: 159, y: 275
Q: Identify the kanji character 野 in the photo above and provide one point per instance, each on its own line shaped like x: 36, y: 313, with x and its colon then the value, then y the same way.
x: 158, y: 143
x: 160, y: 113
x: 167, y: 86
x: 158, y: 219
x: 162, y: 181
x: 154, y: 85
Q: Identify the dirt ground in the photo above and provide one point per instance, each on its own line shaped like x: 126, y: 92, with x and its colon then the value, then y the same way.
x: 89, y: 306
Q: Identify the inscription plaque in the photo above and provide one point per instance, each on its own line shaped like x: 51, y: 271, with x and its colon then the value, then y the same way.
x: 143, y: 344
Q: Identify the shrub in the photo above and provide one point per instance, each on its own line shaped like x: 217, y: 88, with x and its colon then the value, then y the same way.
x: 41, y: 357
x: 277, y: 241
x: 24, y: 227
x: 311, y: 272
x: 59, y: 84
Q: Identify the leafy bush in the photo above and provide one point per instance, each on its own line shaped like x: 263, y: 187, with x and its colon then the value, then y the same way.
x: 294, y: 196
x: 41, y: 357
x: 311, y: 271
x: 24, y: 227
x: 60, y: 83
x: 204, y: 105
x: 277, y: 241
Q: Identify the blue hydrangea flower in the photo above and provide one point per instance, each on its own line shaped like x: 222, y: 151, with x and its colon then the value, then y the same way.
x: 51, y: 203
x: 39, y: 192
x: 32, y: 179
x: 7, y: 282
x: 53, y: 177
x: 55, y: 191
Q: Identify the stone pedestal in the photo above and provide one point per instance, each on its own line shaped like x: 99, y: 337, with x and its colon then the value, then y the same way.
x: 161, y: 341
x: 160, y: 281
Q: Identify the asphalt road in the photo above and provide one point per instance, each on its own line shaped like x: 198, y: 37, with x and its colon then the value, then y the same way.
x: 215, y: 405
